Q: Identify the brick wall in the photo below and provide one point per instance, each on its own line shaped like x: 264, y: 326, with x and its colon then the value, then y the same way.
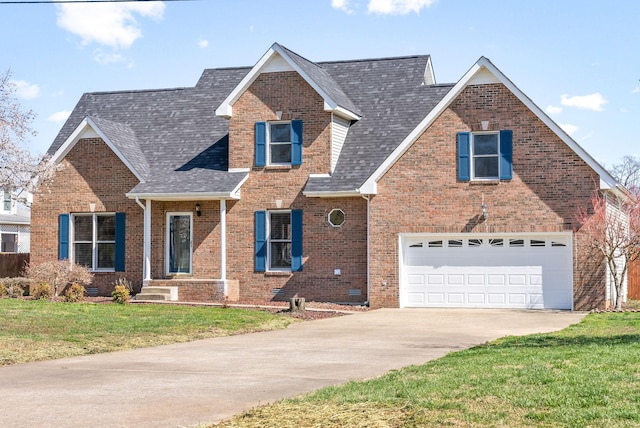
x: 91, y: 173
x: 420, y: 193
x: 325, y: 248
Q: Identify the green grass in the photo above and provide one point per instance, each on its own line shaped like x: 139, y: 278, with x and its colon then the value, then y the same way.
x: 40, y: 330
x: 587, y: 375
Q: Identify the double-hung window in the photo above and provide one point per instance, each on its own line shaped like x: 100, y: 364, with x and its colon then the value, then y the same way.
x: 278, y: 241
x: 94, y: 240
x: 278, y: 143
x: 485, y: 155
x: 6, y: 201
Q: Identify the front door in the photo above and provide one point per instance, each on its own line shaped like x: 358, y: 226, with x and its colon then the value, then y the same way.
x: 178, y: 243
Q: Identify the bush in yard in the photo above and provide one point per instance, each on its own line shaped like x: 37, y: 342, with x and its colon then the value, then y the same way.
x: 13, y: 287
x: 59, y: 274
x: 121, y: 294
x: 41, y: 290
x: 126, y: 284
x: 75, y: 293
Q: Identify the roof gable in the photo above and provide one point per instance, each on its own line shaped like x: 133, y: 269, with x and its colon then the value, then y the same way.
x: 120, y: 139
x: 484, y: 72
x: 278, y: 58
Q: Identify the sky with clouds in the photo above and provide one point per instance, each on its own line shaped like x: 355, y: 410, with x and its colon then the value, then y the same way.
x: 576, y: 59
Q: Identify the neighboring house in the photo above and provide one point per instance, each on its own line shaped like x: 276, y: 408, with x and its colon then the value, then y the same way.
x: 14, y: 224
x: 351, y: 181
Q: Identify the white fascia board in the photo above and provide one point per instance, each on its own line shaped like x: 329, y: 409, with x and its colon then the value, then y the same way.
x: 88, y: 125
x: 195, y: 196
x: 342, y: 112
x: 369, y: 187
x: 332, y: 194
x: 235, y: 193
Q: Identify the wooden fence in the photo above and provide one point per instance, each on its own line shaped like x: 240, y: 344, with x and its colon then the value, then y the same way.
x: 634, y: 280
x: 12, y: 264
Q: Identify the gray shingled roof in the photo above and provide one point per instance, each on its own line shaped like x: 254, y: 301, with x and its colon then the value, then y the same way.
x: 174, y: 140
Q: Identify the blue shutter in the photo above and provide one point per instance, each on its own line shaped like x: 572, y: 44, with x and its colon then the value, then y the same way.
x: 296, y: 142
x: 120, y: 241
x: 506, y: 150
x: 63, y: 236
x: 260, y: 241
x: 296, y: 240
x: 464, y: 159
x: 261, y: 143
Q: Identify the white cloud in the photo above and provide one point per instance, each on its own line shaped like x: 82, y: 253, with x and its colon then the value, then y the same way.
x: 102, y: 57
x: 59, y: 117
x: 398, y: 7
x: 343, y: 5
x: 203, y: 43
x: 636, y: 90
x: 593, y: 102
x: 110, y: 24
x: 569, y: 128
x: 25, y: 89
x: 554, y: 109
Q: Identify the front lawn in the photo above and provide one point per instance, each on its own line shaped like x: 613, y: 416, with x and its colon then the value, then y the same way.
x: 585, y: 375
x: 32, y: 330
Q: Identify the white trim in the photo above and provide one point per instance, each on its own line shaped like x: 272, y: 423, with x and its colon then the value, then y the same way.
x: 85, y: 130
x: 168, y: 215
x: 189, y: 196
x: 223, y: 241
x: 147, y: 242
x: 94, y: 238
x: 332, y: 194
x: 482, y: 66
x: 268, y: 240
x: 273, y: 56
x: 429, y: 77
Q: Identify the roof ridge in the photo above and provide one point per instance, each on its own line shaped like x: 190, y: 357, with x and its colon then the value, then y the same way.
x: 391, y: 58
x: 138, y: 91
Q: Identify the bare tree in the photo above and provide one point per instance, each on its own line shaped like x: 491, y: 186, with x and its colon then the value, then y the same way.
x: 627, y: 172
x: 19, y: 169
x: 611, y: 227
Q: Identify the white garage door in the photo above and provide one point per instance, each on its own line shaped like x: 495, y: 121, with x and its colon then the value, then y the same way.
x: 486, y: 271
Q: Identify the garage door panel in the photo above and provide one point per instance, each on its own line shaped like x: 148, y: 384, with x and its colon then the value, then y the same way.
x: 483, y: 275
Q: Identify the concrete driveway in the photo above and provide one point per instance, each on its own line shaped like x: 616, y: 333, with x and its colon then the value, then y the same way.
x: 210, y: 380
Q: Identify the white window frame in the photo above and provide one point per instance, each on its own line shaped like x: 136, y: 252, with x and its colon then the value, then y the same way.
x: 473, y: 156
x: 269, y: 143
x: 94, y: 240
x: 269, y: 240
x: 167, y: 260
x: 5, y: 200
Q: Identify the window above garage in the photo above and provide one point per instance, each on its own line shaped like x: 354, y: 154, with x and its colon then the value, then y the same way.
x: 485, y: 156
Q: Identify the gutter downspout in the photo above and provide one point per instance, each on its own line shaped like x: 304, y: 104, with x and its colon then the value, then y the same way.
x: 368, y: 199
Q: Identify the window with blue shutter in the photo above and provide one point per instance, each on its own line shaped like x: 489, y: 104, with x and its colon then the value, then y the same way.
x: 464, y: 159
x: 63, y: 236
x: 260, y: 232
x: 120, y: 242
x: 261, y: 143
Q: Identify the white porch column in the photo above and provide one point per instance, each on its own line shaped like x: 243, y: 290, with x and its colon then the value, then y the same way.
x: 223, y: 240
x: 147, y: 243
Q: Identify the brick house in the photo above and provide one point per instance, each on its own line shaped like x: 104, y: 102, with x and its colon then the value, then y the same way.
x: 352, y: 181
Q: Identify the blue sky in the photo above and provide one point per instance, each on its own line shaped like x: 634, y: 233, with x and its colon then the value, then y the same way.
x: 579, y: 60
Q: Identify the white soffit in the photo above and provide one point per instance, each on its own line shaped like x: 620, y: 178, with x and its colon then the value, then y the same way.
x: 484, y: 72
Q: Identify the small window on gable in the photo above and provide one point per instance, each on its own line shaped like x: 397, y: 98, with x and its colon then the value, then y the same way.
x: 516, y: 242
x: 485, y: 155
x: 6, y: 201
x: 278, y: 143
x: 455, y: 243
x: 475, y: 242
x: 435, y: 244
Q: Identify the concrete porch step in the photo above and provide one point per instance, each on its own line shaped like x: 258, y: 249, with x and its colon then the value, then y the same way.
x: 158, y: 293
